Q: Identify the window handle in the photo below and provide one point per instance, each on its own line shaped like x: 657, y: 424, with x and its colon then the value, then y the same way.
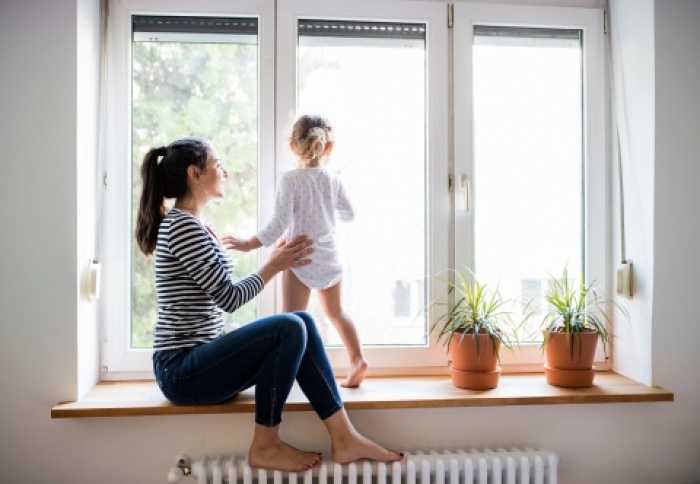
x: 466, y: 195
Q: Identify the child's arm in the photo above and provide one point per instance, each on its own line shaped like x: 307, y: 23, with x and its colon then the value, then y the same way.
x: 342, y: 203
x: 284, y: 205
x: 243, y: 245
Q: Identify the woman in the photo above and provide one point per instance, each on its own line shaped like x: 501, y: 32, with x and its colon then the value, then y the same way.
x: 194, y: 360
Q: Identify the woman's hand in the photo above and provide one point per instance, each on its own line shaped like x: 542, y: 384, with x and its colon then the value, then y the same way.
x: 243, y: 245
x: 286, y: 255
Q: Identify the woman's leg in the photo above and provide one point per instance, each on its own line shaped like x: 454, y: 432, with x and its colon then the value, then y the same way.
x: 315, y: 375
x: 268, y: 451
x: 295, y: 294
x: 348, y: 445
x: 265, y: 353
x: 316, y: 380
x: 332, y: 307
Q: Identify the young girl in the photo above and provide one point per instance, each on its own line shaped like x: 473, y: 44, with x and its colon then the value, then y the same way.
x: 308, y: 202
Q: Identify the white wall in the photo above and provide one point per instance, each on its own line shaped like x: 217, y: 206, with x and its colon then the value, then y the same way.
x: 45, y: 143
x: 632, y: 36
x: 677, y: 198
x: 88, y: 71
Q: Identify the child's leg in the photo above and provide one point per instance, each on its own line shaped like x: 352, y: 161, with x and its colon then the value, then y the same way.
x: 295, y: 295
x: 330, y: 303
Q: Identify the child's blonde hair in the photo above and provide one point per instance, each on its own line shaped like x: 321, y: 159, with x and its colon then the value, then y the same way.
x: 311, y: 135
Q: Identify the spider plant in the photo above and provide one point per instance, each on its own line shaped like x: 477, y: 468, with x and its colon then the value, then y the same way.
x: 477, y: 309
x: 575, y: 308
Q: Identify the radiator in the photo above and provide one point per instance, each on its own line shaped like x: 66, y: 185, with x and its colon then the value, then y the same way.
x: 484, y: 466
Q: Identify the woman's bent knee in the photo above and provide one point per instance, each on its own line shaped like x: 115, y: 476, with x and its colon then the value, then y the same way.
x: 294, y: 327
x: 305, y: 317
x: 310, y: 324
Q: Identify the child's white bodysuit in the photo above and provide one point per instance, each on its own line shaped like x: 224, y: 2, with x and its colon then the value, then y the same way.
x: 308, y: 201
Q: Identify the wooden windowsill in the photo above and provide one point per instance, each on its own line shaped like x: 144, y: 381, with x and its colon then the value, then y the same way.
x: 137, y: 398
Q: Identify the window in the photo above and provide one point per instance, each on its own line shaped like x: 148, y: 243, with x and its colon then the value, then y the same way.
x: 527, y: 89
x: 529, y: 151
x: 174, y: 75
x: 195, y: 76
x: 349, y: 71
x: 527, y: 115
x: 382, y: 84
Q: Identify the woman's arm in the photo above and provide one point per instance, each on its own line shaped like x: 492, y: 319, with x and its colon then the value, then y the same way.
x: 195, y: 249
x: 190, y: 243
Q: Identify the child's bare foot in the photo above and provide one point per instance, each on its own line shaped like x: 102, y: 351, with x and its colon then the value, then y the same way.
x: 356, y: 373
x: 357, y: 447
x: 282, y: 457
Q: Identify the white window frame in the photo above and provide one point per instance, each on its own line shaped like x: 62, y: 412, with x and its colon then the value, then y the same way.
x: 529, y: 356
x: 393, y: 360
x: 119, y: 361
x: 277, y: 40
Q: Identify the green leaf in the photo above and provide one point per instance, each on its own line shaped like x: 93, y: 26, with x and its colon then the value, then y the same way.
x: 477, y: 309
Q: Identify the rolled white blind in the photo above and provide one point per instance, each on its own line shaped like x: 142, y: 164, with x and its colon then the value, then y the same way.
x: 199, y: 25
x: 361, y: 29
x: 527, y: 32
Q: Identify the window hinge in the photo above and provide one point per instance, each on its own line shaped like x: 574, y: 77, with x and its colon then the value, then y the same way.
x: 450, y: 182
x: 606, y: 20
x: 450, y: 15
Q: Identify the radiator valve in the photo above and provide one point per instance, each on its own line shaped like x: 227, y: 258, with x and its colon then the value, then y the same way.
x: 181, y: 469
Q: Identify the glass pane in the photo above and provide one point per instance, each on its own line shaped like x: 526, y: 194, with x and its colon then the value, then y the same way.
x: 528, y: 164
x: 196, y: 89
x: 373, y: 92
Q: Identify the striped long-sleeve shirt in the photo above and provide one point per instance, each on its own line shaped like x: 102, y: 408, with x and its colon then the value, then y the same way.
x: 194, y: 283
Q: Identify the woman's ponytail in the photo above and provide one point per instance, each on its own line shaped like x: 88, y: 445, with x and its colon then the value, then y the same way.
x: 165, y: 179
x: 151, y: 207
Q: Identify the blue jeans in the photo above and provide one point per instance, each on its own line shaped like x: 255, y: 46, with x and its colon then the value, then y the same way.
x: 270, y: 354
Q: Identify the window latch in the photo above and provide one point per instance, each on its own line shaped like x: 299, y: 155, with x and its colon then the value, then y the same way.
x: 465, y: 195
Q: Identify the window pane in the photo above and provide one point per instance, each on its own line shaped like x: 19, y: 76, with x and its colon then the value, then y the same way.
x: 197, y: 86
x: 372, y: 88
x: 528, y: 159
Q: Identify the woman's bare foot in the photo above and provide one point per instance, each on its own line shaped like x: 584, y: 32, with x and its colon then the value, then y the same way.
x: 267, y: 451
x: 356, y: 373
x: 356, y: 447
x: 283, y: 457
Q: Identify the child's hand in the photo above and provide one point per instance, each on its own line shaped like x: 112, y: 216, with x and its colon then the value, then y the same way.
x: 243, y: 245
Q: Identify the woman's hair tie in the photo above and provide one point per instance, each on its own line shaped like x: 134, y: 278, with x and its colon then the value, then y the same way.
x: 162, y: 151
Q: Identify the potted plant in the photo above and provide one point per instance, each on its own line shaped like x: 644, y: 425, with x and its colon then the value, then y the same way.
x: 572, y: 326
x: 474, y: 328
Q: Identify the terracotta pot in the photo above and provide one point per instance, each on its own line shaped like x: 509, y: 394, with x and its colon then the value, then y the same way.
x: 475, y: 380
x: 569, y: 378
x: 472, y: 369
x: 570, y: 358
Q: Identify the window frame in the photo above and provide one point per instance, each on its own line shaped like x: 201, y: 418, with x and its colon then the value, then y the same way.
x: 118, y: 360
x: 446, y: 153
x: 387, y: 360
x: 528, y: 357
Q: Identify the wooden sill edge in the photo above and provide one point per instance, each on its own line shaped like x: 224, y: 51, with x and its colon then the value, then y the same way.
x: 143, y: 398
